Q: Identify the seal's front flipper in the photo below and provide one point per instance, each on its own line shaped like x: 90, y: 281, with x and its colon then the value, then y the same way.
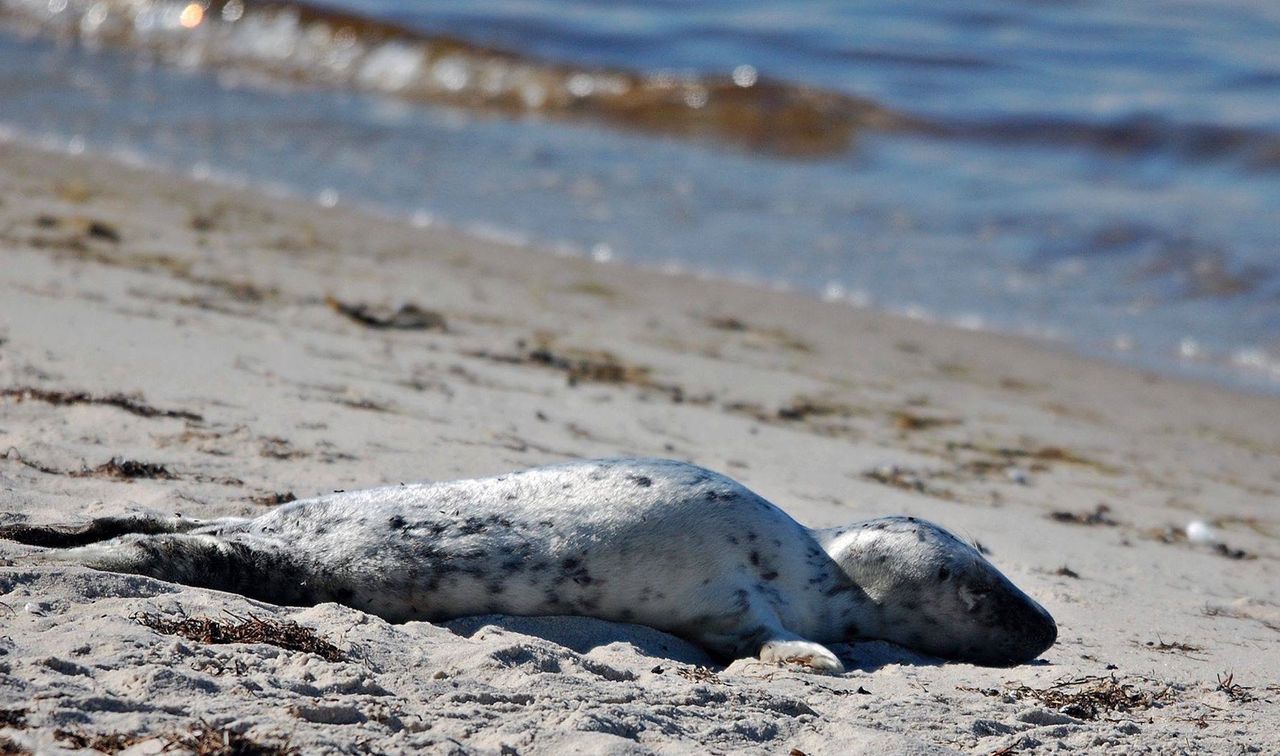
x: 65, y: 536
x: 786, y: 648
x: 755, y: 629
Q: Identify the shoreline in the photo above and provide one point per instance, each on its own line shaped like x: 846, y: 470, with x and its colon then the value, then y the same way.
x: 255, y: 348
x: 1197, y: 371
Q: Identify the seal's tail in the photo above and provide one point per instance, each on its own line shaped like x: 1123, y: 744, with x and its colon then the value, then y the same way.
x: 64, y: 536
x: 255, y: 570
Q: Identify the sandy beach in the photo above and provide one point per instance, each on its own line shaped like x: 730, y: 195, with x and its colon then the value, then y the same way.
x: 177, y: 347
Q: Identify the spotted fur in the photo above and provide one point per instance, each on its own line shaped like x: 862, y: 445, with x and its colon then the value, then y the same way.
x: 655, y: 542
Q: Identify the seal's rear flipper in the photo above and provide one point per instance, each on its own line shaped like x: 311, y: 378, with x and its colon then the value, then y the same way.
x: 62, y: 536
x: 258, y: 571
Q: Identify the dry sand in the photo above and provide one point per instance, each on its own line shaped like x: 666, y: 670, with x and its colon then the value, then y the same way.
x: 175, y: 347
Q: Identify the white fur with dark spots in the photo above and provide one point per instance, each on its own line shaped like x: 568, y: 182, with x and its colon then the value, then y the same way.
x: 655, y: 542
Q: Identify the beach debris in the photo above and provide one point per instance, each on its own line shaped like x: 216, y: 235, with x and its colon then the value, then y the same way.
x: 130, y: 404
x: 1067, y: 572
x: 758, y: 336
x: 698, y: 674
x: 1205, y: 535
x: 234, y: 289
x: 408, y: 317
x: 726, y: 323
x: 126, y: 469
x: 219, y: 667
x: 284, y: 634
x: 182, y: 269
x: 1089, y: 697
x: 116, y: 467
x: 1057, y: 454
x: 203, y: 222
x: 221, y: 480
x: 802, y: 408
x: 273, y: 499
x: 906, y: 479
x: 208, y: 740
x: 1101, y: 515
x: 1176, y: 647
x: 1235, y: 691
x: 969, y: 462
x: 904, y: 420
x: 203, y: 739
x: 1037, y: 459
x: 1016, y: 384
x: 589, y: 367
x: 274, y: 447
x: 103, y: 231
x: 362, y: 403
x: 586, y: 366
x: 1224, y: 550
x: 898, y: 477
x: 1261, y: 612
x: 102, y: 742
x: 94, y: 229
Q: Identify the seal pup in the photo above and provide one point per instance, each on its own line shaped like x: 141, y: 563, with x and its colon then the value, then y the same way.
x: 655, y: 542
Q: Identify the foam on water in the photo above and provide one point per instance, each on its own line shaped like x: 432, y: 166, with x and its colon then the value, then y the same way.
x: 312, y: 44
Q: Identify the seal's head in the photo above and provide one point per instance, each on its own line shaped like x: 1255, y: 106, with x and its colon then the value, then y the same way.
x: 937, y: 594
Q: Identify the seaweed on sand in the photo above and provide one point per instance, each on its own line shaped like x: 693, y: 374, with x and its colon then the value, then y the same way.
x: 252, y: 629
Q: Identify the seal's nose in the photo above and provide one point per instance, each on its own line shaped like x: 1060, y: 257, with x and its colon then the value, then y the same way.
x: 1045, y: 633
x: 1026, y: 630
x: 1031, y: 630
x: 1042, y: 632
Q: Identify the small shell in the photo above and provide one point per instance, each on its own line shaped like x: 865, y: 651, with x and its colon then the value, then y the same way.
x: 1201, y: 532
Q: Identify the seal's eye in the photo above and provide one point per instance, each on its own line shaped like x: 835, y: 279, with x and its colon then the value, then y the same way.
x: 943, y: 574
